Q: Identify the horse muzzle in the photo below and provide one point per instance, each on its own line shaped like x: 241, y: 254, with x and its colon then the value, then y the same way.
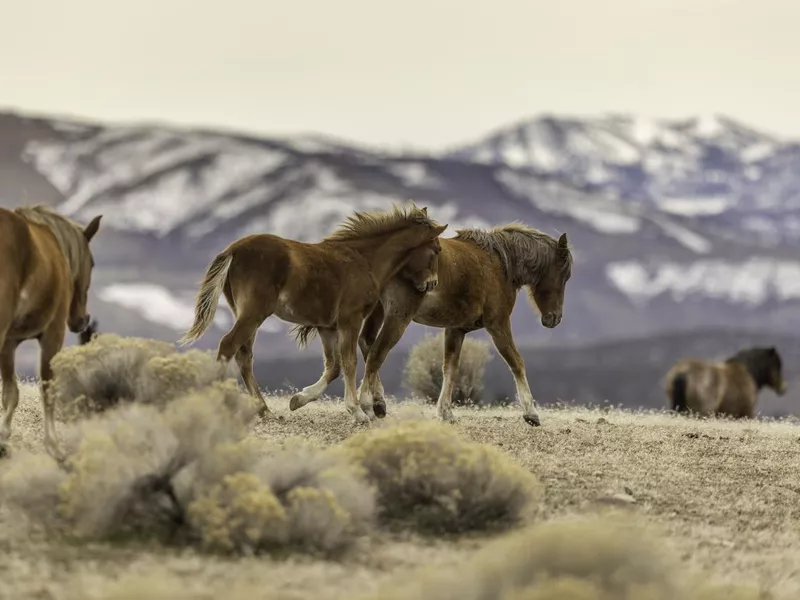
x: 79, y: 325
x: 551, y: 320
x: 782, y: 387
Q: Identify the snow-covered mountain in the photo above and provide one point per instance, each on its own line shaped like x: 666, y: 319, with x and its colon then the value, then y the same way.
x: 707, y: 167
x: 618, y: 186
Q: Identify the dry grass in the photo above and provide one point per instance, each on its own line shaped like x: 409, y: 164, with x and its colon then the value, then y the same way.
x: 423, y: 370
x: 723, y: 495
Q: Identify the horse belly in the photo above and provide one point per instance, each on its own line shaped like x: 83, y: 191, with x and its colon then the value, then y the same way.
x: 304, y: 307
x: 438, y: 310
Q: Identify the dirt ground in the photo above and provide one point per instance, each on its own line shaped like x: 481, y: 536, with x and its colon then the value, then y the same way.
x: 724, y: 494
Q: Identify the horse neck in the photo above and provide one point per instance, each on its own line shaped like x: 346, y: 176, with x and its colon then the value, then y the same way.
x: 388, y: 256
x: 753, y: 369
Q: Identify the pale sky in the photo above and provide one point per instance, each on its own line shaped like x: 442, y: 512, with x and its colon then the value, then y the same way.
x: 420, y: 73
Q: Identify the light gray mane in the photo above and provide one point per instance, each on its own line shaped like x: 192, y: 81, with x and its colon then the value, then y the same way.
x: 67, y: 232
x: 525, y: 253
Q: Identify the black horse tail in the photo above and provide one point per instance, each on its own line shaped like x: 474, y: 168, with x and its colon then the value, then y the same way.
x: 679, y: 403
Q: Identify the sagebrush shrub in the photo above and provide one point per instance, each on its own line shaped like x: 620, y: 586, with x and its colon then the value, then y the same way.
x: 111, y: 369
x: 429, y: 477
x: 177, y: 465
x: 423, y: 369
x: 580, y: 560
x: 187, y: 473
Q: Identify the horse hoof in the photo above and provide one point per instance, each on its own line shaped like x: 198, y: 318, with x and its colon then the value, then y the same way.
x: 267, y: 415
x: 5, y: 451
x: 296, y: 402
x: 532, y: 420
x: 379, y: 408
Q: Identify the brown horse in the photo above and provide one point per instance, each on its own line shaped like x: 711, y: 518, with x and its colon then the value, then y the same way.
x: 44, y: 282
x: 331, y: 286
x: 724, y: 388
x: 479, y: 275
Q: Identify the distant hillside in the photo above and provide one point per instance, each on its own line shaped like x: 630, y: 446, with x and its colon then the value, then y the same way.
x: 172, y: 198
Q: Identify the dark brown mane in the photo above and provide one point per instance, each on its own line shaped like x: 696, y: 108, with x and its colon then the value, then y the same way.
x: 759, y: 362
x: 525, y: 253
x: 368, y: 224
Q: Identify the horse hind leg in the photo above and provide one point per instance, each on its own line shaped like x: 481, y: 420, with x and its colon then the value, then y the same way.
x: 10, y: 390
x: 453, y: 341
x: 238, y: 342
x: 244, y: 359
x: 330, y: 373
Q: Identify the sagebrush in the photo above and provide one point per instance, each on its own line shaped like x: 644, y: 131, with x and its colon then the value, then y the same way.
x: 111, y: 369
x: 164, y: 454
x: 187, y: 474
x: 430, y: 478
x: 423, y: 370
x: 588, y: 559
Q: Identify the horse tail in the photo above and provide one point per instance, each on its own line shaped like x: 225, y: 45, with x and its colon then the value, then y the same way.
x: 303, y: 334
x: 679, y: 402
x: 208, y: 296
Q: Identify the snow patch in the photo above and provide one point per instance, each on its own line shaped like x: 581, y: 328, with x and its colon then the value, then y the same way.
x: 752, y: 282
x: 159, y: 305
x: 415, y: 175
x: 686, y: 237
x: 603, y: 215
x: 712, y: 205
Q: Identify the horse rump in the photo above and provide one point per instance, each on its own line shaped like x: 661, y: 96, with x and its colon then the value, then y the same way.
x: 679, y: 402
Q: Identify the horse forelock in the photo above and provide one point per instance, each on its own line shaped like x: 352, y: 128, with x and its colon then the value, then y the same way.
x: 68, y: 233
x: 363, y: 224
x: 525, y: 253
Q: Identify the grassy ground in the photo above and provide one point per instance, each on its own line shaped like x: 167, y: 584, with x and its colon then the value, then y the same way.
x: 724, y: 494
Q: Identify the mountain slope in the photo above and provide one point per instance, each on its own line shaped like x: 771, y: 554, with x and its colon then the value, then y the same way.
x: 173, y: 198
x: 713, y: 167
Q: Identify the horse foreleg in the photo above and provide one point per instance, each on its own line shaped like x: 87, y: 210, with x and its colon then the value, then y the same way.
x: 453, y: 340
x: 371, y: 394
x: 10, y: 390
x: 504, y: 342
x: 50, y: 342
x: 330, y: 372
x: 348, y: 355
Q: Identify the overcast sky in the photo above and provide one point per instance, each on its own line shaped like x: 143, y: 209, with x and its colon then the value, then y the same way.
x: 424, y: 73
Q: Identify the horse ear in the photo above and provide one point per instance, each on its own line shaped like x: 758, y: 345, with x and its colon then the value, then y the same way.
x: 91, y: 229
x: 562, y: 241
x: 772, y: 350
x: 440, y: 229
x: 424, y: 210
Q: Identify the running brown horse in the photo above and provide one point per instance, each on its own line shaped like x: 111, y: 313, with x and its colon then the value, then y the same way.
x: 331, y: 285
x: 479, y: 273
x: 729, y: 387
x: 44, y: 282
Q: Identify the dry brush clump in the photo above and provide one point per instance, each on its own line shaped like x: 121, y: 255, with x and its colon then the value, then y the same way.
x: 111, y: 369
x: 187, y: 474
x: 423, y: 369
x: 430, y: 478
x: 579, y: 560
x: 164, y: 455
